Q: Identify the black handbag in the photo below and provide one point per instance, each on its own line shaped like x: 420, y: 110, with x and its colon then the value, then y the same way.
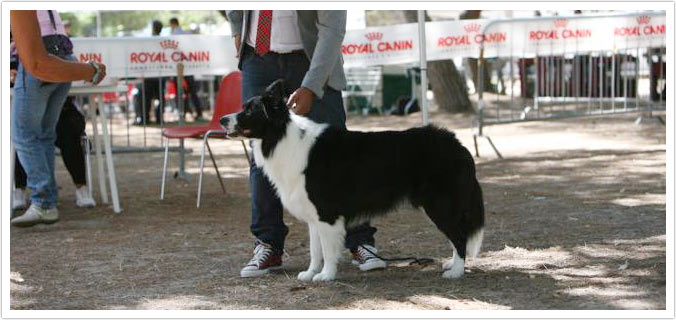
x: 57, y: 44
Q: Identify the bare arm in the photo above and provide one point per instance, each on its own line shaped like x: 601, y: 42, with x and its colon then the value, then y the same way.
x: 34, y: 57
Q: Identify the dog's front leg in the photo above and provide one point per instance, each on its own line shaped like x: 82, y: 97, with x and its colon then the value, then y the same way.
x: 315, y: 254
x: 332, y: 238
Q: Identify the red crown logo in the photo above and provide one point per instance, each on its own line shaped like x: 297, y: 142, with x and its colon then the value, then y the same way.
x: 472, y: 27
x: 643, y: 19
x: 561, y: 23
x: 374, y: 36
x: 169, y: 44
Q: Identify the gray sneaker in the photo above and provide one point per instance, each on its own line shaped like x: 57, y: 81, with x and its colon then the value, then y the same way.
x: 364, y: 256
x: 20, y: 199
x: 82, y: 198
x: 265, y: 259
x: 36, y: 215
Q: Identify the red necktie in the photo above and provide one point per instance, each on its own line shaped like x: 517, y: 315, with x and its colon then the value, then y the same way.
x: 263, y: 32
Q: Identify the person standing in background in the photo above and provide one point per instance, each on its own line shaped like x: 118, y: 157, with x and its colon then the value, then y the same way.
x: 176, y: 27
x: 189, y: 80
x: 45, y: 70
x: 150, y: 90
x: 70, y: 128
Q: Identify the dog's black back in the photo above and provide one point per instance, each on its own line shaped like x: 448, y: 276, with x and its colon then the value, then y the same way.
x: 359, y: 175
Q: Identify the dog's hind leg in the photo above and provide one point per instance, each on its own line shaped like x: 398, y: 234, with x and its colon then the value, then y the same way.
x: 455, y: 268
x: 449, y: 263
x: 332, y: 238
x: 315, y: 254
x: 450, y: 225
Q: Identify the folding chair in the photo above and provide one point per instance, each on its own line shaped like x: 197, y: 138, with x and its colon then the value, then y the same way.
x: 228, y: 100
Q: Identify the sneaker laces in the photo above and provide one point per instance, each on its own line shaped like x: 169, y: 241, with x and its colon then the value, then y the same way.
x: 365, y: 253
x: 37, y: 210
x: 261, y: 253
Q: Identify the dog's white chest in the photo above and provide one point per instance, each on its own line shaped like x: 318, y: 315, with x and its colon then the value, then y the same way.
x: 285, y: 166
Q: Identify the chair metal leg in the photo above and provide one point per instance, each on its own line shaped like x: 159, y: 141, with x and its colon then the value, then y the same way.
x: 199, y: 183
x: 246, y: 152
x: 164, y: 170
x: 218, y: 174
x: 205, y: 143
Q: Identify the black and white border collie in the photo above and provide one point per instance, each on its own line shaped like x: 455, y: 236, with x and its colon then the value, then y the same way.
x: 331, y: 178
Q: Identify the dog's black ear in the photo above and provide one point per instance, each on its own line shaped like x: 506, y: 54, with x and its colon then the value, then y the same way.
x: 276, y: 90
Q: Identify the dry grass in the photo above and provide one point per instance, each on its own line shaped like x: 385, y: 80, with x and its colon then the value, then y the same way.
x: 575, y: 220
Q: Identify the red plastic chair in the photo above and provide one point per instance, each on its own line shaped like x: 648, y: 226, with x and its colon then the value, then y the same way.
x: 170, y: 93
x: 109, y: 97
x: 228, y: 100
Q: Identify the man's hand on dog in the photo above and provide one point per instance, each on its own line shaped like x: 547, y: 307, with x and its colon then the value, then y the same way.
x: 300, y: 102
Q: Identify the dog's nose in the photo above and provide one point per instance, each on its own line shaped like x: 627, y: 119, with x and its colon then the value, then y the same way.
x: 224, y: 121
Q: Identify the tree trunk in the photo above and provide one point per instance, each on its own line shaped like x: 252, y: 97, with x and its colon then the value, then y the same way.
x: 450, y: 91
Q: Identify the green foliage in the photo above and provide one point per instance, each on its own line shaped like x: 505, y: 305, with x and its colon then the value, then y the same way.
x: 83, y: 23
x: 114, y: 23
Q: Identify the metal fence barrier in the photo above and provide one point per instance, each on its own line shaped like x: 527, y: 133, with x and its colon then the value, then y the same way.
x: 570, y: 82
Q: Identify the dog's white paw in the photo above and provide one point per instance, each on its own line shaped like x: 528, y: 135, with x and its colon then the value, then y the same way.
x: 323, y: 276
x: 448, y: 264
x: 456, y: 271
x: 306, y: 275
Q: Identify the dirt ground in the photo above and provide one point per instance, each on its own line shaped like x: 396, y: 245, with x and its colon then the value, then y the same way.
x: 575, y: 220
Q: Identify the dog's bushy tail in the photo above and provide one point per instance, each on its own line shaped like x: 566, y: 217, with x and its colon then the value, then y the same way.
x: 477, y: 236
x: 474, y: 243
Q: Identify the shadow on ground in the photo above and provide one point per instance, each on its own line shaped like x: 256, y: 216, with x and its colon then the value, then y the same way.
x: 576, y: 229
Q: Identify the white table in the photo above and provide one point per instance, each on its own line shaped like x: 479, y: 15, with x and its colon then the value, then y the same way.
x: 92, y: 92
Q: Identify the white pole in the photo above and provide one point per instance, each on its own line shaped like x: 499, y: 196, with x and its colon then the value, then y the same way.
x: 98, y: 24
x: 423, y: 65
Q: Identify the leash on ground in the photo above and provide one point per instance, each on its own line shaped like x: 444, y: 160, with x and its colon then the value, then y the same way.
x: 420, y: 261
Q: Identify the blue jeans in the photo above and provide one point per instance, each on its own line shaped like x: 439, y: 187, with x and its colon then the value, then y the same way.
x: 258, y: 72
x: 35, y: 112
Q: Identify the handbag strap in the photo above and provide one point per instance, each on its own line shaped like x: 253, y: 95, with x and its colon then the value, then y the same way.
x: 51, y: 18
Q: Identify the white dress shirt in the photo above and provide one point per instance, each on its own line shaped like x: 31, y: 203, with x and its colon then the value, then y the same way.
x: 179, y: 30
x: 284, y: 34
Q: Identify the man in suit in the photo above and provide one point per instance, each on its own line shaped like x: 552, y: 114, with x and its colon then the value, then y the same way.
x: 303, y: 48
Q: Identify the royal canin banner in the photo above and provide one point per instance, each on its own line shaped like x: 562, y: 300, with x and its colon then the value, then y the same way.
x: 394, y: 44
x: 505, y: 38
x: 158, y: 56
x: 569, y: 35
